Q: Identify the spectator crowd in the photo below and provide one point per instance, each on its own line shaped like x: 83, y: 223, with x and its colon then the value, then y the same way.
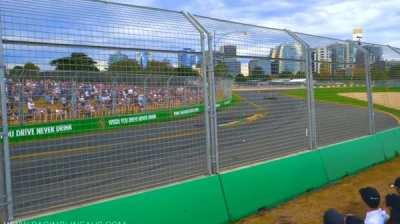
x: 49, y: 100
x: 375, y: 213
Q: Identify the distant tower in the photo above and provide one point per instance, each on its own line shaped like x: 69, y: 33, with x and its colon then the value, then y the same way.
x: 144, y: 58
x: 357, y: 34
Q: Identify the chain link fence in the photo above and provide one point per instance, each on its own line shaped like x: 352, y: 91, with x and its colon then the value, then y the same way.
x: 102, y: 99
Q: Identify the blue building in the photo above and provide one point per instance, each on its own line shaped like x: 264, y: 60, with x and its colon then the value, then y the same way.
x: 187, y: 58
x: 116, y: 58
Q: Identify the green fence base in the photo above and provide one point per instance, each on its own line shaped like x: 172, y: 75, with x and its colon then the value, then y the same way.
x: 268, y: 184
x: 237, y: 193
x: 196, y: 201
x: 351, y: 156
x: 390, y: 140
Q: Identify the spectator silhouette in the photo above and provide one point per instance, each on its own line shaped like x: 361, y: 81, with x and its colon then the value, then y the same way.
x: 372, y: 198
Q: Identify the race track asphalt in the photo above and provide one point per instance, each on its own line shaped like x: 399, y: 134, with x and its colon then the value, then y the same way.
x: 56, y: 173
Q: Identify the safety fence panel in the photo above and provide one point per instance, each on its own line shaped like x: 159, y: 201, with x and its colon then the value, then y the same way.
x: 265, y: 122
x: 3, y: 193
x: 115, y: 74
x: 339, y: 74
x: 105, y: 99
x: 385, y: 73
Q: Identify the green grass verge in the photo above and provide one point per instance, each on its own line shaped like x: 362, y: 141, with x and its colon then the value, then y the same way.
x: 331, y: 95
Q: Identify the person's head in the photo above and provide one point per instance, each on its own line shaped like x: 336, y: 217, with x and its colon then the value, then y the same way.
x: 393, y: 201
x: 353, y: 220
x: 396, y: 185
x: 332, y: 216
x: 371, y: 197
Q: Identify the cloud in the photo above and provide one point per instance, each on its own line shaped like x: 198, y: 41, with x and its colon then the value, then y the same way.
x: 327, y: 17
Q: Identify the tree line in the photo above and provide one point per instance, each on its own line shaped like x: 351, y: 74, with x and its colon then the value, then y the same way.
x: 81, y: 62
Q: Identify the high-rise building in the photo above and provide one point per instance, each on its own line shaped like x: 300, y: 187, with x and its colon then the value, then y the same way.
x: 275, y: 67
x: 228, y: 57
x: 264, y: 65
x: 229, y: 51
x: 116, y: 58
x: 233, y: 66
x: 290, y: 52
x: 376, y: 52
x: 187, y: 58
x: 144, y: 58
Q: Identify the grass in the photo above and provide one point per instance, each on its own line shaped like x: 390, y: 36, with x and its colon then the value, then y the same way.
x: 331, y: 95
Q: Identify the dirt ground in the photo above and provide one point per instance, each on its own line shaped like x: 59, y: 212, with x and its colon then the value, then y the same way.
x: 387, y: 99
x: 309, y: 208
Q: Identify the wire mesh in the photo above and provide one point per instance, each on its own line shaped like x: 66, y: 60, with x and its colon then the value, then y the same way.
x: 264, y: 121
x: 339, y: 72
x: 85, y: 81
x: 385, y: 72
x: 106, y: 99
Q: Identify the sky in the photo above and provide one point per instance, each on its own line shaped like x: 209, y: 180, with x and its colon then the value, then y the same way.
x: 378, y: 18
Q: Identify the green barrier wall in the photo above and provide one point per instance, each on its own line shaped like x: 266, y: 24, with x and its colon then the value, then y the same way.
x: 237, y: 193
x: 351, y: 156
x: 390, y: 140
x: 268, y: 184
x: 198, y: 201
x: 64, y: 128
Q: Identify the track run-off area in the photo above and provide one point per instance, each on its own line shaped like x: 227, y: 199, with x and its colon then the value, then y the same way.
x: 263, y: 125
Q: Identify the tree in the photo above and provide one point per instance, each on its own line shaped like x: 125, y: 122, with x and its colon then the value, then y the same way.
x: 18, y: 70
x: 125, y: 65
x: 221, y: 70
x: 159, y: 67
x: 76, y: 62
x: 300, y: 74
x: 184, y: 71
x: 240, y: 78
x: 31, y: 70
x: 286, y: 74
x: 28, y: 70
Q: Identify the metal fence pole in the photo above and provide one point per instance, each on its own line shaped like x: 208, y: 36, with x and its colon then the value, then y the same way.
x: 20, y: 105
x: 145, y: 94
x: 113, y: 95
x: 74, y: 108
x: 6, y: 146
x: 368, y: 83
x: 213, y: 101
x: 312, y: 121
x: 168, y: 89
x: 205, y: 90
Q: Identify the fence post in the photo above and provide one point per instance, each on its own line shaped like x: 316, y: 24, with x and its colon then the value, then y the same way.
x: 213, y: 102
x: 368, y: 84
x: 113, y: 95
x: 74, y: 108
x: 312, y: 121
x: 205, y: 91
x: 169, y: 92
x: 6, y: 146
x: 20, y: 89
